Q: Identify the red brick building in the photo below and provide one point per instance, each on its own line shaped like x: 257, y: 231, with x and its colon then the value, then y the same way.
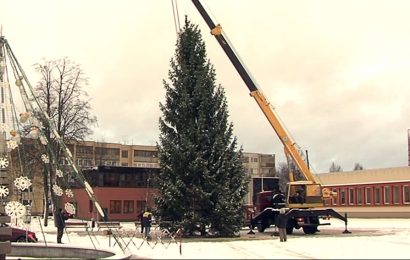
x: 370, y: 193
x: 122, y: 192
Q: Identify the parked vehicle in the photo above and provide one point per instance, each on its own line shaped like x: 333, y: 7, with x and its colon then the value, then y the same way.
x: 18, y: 235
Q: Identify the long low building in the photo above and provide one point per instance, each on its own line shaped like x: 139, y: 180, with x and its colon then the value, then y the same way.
x: 370, y: 193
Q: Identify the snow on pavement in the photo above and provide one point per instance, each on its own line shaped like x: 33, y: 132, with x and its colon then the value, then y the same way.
x: 370, y: 238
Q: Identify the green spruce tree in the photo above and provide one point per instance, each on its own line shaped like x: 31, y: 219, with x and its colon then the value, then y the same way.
x: 202, y: 180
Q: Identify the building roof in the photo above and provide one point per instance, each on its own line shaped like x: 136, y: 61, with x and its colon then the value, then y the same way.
x: 383, y: 175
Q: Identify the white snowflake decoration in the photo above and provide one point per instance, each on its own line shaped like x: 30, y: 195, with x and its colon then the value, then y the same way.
x: 59, y: 173
x: 11, y: 144
x: 24, y: 117
x: 15, y: 137
x: 69, y: 193
x: 69, y: 207
x: 4, y: 127
x: 43, y: 140
x: 4, y: 163
x: 57, y: 190
x: 15, y: 209
x: 4, y: 191
x: 34, y: 133
x: 45, y: 158
x: 22, y: 183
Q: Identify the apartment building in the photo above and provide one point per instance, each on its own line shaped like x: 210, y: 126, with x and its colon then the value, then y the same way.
x: 257, y: 165
x: 89, y: 153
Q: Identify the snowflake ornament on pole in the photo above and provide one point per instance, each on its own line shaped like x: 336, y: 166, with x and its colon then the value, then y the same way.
x: 57, y: 190
x: 4, y: 127
x: 43, y: 140
x: 11, y: 144
x: 59, y: 173
x: 24, y: 117
x: 4, y: 163
x: 69, y: 193
x: 4, y: 191
x: 22, y: 183
x: 15, y: 209
x: 69, y: 207
x: 45, y: 158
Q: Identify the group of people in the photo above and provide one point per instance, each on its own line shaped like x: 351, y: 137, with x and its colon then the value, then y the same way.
x: 60, y: 217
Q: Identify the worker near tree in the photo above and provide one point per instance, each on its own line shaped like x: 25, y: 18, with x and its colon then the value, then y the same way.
x: 146, y: 223
x: 140, y: 219
x: 281, y: 222
x: 59, y: 221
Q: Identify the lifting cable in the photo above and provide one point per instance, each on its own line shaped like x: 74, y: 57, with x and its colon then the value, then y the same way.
x: 176, y: 16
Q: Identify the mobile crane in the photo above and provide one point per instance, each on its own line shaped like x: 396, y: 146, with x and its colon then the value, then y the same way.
x: 305, y: 199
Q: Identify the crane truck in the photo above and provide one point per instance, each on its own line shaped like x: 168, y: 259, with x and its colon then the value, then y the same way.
x: 304, y: 200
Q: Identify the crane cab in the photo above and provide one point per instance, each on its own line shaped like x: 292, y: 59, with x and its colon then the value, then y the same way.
x: 304, y: 194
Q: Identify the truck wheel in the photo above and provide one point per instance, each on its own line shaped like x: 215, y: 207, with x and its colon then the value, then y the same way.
x: 289, y: 226
x: 289, y: 230
x: 310, y: 229
x: 261, y: 227
x: 21, y: 239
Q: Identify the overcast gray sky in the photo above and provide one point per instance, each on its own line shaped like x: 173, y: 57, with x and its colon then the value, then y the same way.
x: 337, y: 72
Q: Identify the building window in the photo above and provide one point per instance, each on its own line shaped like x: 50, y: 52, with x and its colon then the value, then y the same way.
x: 84, y: 149
x: 368, y: 196
x: 27, y: 202
x: 396, y: 194
x: 90, y: 206
x: 254, y: 159
x: 245, y: 159
x: 351, y: 196
x: 342, y: 196
x: 124, y: 154
x: 406, y: 194
x: 111, y: 163
x: 387, y: 195
x: 377, y: 195
x: 128, y: 206
x: 149, y: 154
x: 84, y: 162
x: 141, y: 204
x: 115, y: 206
x: 334, y: 199
x: 359, y: 196
x: 111, y: 180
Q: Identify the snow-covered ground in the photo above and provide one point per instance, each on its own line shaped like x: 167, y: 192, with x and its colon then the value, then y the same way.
x: 369, y: 238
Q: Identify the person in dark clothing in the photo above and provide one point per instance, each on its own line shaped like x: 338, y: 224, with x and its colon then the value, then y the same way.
x: 140, y: 218
x: 281, y: 222
x: 59, y: 220
x: 146, y: 223
x: 297, y: 198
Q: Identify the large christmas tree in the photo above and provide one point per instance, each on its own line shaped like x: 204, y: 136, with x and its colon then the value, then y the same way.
x: 202, y: 180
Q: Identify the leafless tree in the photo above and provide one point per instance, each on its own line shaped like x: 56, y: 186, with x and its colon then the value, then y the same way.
x: 358, y: 167
x: 61, y: 96
x: 335, y: 168
x: 283, y: 174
